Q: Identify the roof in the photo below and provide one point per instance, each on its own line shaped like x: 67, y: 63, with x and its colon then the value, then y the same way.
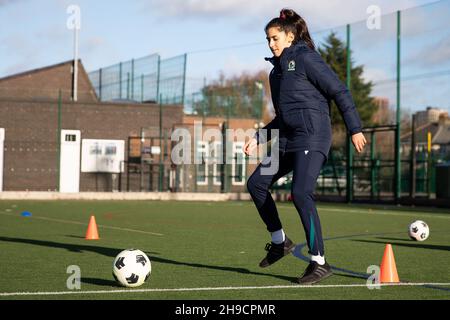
x: 33, y: 71
x: 44, y: 83
x: 442, y: 136
x: 421, y: 131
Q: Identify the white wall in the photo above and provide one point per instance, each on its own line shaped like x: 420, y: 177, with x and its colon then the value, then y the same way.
x: 2, y: 139
x: 69, y: 176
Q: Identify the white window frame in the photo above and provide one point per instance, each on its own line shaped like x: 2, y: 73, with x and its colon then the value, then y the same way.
x: 215, y: 147
x: 181, y: 176
x: 202, y: 151
x: 238, y: 147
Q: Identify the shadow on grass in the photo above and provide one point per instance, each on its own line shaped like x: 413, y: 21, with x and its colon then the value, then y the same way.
x: 101, y: 282
x: 417, y: 245
x: 349, y: 275
x: 394, y: 239
x: 223, y: 268
x: 112, y: 252
x: 75, y: 237
x: 78, y: 248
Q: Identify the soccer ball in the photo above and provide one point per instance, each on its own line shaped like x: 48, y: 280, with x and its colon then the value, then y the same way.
x: 419, y: 231
x: 131, y: 268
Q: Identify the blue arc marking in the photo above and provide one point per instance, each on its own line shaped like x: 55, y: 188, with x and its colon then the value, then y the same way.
x: 298, y: 254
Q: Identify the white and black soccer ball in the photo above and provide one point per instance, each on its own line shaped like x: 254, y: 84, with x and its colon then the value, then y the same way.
x: 419, y: 231
x: 131, y: 268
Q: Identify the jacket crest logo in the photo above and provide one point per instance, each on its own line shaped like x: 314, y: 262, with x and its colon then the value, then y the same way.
x: 291, y: 65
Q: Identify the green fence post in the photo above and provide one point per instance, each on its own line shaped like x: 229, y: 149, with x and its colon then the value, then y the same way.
x: 184, y: 79
x: 100, y: 85
x: 142, y: 88
x: 120, y: 80
x: 397, y: 133
x: 161, y: 168
x: 128, y: 86
x: 412, y: 166
x: 349, y: 140
x: 158, y: 78
x: 58, y: 140
x: 429, y: 164
x: 165, y: 155
x: 132, y: 79
x: 372, y: 165
x: 224, y: 165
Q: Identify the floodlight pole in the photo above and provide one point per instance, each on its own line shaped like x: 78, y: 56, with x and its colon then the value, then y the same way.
x: 75, y: 66
x: 74, y: 23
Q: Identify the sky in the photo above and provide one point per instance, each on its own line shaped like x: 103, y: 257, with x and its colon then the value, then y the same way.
x: 219, y: 36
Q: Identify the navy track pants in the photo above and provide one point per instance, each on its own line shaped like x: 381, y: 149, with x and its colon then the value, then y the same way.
x: 306, y: 166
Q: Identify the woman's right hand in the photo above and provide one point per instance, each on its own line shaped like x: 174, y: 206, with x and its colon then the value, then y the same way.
x: 250, y: 146
x: 359, y: 141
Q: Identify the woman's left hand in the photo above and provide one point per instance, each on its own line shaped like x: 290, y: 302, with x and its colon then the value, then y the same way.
x: 359, y: 141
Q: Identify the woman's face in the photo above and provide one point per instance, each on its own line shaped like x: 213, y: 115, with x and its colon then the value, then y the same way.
x: 279, y: 40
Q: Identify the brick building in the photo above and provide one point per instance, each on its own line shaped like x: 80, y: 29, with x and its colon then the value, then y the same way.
x: 36, y: 105
x: 31, y: 116
x: 216, y: 171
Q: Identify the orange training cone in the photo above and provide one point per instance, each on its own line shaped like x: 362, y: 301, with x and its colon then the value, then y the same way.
x: 388, y: 272
x: 92, y: 233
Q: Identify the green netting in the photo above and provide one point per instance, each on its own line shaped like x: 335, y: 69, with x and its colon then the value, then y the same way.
x: 141, y: 80
x: 424, y: 69
x: 415, y: 79
x: 172, y: 79
x: 224, y: 82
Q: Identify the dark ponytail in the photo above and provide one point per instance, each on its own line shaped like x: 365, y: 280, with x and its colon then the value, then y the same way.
x: 290, y: 21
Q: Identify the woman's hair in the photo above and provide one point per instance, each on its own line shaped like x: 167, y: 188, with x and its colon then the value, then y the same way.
x: 290, y: 21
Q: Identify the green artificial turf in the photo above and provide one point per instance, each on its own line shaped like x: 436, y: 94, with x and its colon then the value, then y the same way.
x: 213, y: 245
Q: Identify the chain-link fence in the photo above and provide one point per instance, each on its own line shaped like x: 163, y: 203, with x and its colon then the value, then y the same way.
x: 142, y: 80
x: 404, y: 56
x: 392, y: 66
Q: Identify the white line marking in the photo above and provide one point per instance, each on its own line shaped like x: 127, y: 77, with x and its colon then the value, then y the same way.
x: 82, y: 223
x: 376, y: 211
x: 9, y: 294
x: 388, y: 212
x: 419, y: 215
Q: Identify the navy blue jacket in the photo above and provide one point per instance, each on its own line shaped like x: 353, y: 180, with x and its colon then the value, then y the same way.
x: 302, y: 86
